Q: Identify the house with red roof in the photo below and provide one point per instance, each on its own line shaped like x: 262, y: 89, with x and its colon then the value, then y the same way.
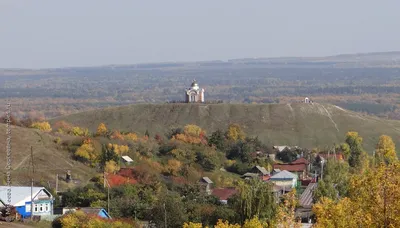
x: 223, y: 194
x: 299, y: 166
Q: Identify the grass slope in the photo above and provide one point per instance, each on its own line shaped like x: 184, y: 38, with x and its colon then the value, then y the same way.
x: 48, y: 159
x: 305, y: 125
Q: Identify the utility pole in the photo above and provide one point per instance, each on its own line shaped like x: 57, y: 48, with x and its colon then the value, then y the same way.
x: 108, y: 191
x: 165, y: 216
x: 8, y: 150
x: 32, y: 200
x: 56, y: 183
x: 322, y: 169
x: 33, y: 166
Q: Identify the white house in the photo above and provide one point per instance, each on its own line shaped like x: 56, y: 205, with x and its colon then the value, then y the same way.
x: 22, y: 197
x: 284, y: 179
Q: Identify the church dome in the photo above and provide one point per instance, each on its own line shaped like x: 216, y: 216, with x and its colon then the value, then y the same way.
x: 195, y: 85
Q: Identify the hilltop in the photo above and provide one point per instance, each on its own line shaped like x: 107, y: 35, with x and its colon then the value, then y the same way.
x: 48, y: 158
x: 305, y: 125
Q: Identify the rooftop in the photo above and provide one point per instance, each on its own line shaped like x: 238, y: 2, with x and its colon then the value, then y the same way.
x: 22, y: 194
x: 207, y: 180
x: 291, y: 167
x: 284, y: 175
x: 127, y: 158
x: 224, y: 193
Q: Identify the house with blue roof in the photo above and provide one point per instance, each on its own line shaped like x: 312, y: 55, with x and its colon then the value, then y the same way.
x: 25, y: 199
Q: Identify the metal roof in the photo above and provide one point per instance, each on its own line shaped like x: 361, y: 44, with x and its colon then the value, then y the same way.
x: 22, y: 194
x: 283, y: 175
x: 262, y: 170
x: 127, y: 158
x: 207, y: 180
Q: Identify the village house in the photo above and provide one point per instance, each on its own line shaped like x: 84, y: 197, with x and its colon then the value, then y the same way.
x: 207, y: 184
x: 223, y: 194
x: 257, y: 172
x: 284, y: 180
x: 23, y: 197
x: 300, y: 167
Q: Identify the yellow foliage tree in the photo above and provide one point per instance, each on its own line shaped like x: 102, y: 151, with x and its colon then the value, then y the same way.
x: 118, y: 149
x: 173, y: 167
x: 254, y: 223
x: 87, y: 151
x: 192, y: 130
x: 225, y: 224
x: 192, y: 225
x: 101, y: 129
x: 43, y: 126
x: 111, y: 167
x: 235, y: 132
x: 77, y: 131
x: 341, y: 214
x: 80, y: 219
x: 386, y: 150
x: 131, y: 136
x: 285, y: 217
x: 374, y: 201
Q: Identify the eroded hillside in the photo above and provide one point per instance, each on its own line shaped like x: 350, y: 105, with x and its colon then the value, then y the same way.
x: 305, y: 125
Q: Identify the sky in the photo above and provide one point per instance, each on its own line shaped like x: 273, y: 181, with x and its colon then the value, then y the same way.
x: 48, y: 33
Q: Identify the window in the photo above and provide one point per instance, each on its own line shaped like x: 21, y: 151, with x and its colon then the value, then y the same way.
x: 41, y: 207
x: 47, y: 207
x: 36, y: 208
x: 27, y: 208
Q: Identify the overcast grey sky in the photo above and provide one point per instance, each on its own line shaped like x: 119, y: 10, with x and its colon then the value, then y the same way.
x: 37, y: 34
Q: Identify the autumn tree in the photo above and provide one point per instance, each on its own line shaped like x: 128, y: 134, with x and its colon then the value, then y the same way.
x: 356, y: 151
x: 87, y: 152
x: 43, y: 126
x: 374, y: 200
x: 117, y: 135
x: 377, y: 195
x: 173, y: 167
x: 345, y: 149
x: 254, y: 223
x: 77, y: 131
x: 131, y: 136
x: 285, y: 217
x: 63, y: 127
x: 111, y: 167
x: 385, y: 150
x: 235, y: 132
x: 101, y: 130
x: 340, y: 214
x: 225, y: 224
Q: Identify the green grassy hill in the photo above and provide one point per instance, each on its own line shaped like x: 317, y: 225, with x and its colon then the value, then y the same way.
x: 305, y: 125
x: 48, y: 159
